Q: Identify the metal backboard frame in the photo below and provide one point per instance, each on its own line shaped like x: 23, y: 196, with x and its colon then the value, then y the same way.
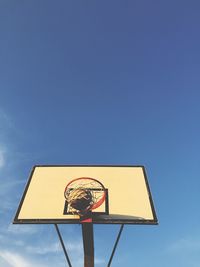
x: 129, y: 200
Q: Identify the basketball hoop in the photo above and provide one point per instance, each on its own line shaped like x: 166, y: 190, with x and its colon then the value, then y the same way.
x: 84, y: 194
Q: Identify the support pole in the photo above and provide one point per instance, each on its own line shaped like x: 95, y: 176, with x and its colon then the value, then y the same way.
x: 63, y: 246
x: 115, y: 246
x: 88, y: 244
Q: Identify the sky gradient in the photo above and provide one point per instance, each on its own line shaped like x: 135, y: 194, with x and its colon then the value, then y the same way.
x: 102, y: 82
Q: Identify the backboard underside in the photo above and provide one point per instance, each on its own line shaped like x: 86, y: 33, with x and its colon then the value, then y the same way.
x: 128, y: 198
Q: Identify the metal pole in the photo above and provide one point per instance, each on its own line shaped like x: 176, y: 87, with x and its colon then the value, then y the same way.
x: 63, y: 246
x: 115, y: 246
x: 88, y: 244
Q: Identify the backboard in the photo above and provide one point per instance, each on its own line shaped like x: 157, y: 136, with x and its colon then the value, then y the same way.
x: 127, y: 195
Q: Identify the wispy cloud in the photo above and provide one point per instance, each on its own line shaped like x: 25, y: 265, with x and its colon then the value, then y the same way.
x: 5, y: 120
x: 5, y: 205
x: 99, y: 261
x: 184, y: 252
x: 2, y: 158
x: 16, y: 260
x: 51, y: 248
x: 22, y: 229
x: 185, y: 245
x: 8, y: 194
x: 43, y: 255
x: 75, y: 246
x: 9, y: 185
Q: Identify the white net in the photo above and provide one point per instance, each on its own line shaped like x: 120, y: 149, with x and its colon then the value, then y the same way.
x: 84, y: 194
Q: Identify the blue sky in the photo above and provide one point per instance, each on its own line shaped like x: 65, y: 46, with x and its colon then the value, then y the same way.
x: 102, y: 82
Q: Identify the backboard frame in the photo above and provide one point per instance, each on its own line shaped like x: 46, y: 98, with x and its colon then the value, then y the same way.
x: 95, y: 220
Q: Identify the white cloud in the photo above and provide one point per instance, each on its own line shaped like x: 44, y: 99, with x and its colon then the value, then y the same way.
x: 74, y: 250
x: 2, y: 157
x: 185, y: 245
x: 75, y: 246
x: 5, y: 205
x: 7, y: 186
x: 22, y: 229
x: 5, y: 121
x: 16, y: 260
x: 51, y: 248
x: 9, y: 258
x: 18, y: 243
x: 99, y: 261
x: 184, y: 251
